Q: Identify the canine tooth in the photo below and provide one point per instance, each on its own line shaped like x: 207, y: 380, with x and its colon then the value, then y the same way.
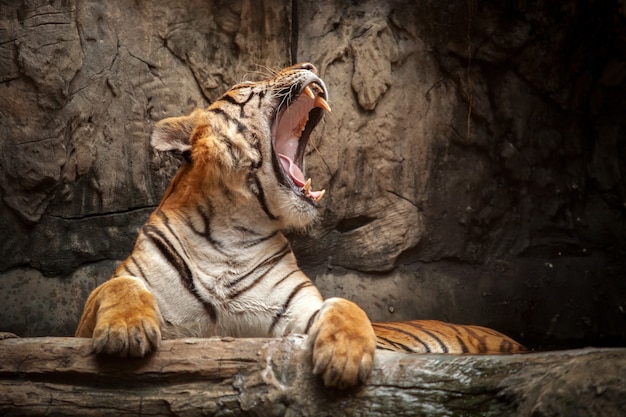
x: 309, y: 92
x: 307, y: 187
x: 320, y: 195
x: 320, y: 102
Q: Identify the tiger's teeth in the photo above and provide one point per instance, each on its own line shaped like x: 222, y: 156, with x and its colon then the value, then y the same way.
x: 307, y: 187
x: 320, y: 102
x: 320, y: 195
x: 300, y: 127
x: 309, y: 92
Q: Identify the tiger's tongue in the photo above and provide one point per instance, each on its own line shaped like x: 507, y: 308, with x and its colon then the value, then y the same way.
x: 298, y: 177
x: 294, y: 172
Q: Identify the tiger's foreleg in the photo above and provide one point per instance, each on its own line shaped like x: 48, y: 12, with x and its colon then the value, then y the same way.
x: 122, y: 317
x: 343, y: 343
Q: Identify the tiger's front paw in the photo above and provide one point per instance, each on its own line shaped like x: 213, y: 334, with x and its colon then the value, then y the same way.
x: 123, y: 335
x: 343, y: 344
x: 123, y: 319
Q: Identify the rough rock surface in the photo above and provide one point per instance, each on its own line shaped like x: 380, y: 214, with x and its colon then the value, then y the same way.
x: 475, y: 158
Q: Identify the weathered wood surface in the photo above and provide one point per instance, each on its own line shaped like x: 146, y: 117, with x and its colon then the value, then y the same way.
x: 272, y: 377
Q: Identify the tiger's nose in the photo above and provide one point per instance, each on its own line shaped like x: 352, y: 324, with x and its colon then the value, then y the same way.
x: 306, y: 66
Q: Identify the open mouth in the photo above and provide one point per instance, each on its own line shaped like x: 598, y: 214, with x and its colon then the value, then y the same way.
x: 291, y: 131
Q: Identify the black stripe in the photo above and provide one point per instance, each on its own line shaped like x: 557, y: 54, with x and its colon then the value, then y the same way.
x: 443, y: 346
x: 255, y: 143
x: 505, y: 346
x: 246, y: 230
x: 285, y: 306
x: 482, y: 347
x: 173, y: 258
x: 393, y: 343
x: 255, y: 242
x: 381, y: 347
x: 230, y: 99
x: 206, y: 220
x: 166, y: 220
x: 458, y: 336
x: 280, y: 281
x: 265, y: 267
x: 251, y: 285
x: 311, y: 321
x: 141, y: 272
x: 128, y: 271
x: 133, y: 271
x: 279, y: 254
x: 231, y: 148
x: 178, y: 263
x: 460, y: 341
x: 260, y: 195
x: 227, y: 192
x: 395, y: 329
x: 241, y: 128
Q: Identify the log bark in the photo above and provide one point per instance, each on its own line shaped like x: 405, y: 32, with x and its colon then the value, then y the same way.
x: 272, y: 377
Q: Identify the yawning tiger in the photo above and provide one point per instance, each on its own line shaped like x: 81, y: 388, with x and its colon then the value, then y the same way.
x: 212, y: 258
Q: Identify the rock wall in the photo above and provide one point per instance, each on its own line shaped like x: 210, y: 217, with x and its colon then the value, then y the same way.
x: 475, y: 158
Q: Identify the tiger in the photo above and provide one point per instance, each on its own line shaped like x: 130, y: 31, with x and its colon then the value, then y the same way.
x: 213, y: 258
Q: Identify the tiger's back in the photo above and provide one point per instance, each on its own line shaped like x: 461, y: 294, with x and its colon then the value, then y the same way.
x: 434, y: 336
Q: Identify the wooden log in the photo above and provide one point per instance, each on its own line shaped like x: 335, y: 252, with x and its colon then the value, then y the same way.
x: 272, y: 377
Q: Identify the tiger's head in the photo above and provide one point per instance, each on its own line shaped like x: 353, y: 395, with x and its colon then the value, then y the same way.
x: 251, y: 142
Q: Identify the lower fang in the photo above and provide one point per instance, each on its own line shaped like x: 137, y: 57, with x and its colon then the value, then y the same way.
x: 319, y: 196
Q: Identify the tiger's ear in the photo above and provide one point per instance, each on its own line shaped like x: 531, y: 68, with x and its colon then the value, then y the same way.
x: 173, y: 133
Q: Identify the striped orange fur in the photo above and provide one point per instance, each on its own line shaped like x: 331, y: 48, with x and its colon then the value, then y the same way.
x: 433, y: 336
x: 212, y: 259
